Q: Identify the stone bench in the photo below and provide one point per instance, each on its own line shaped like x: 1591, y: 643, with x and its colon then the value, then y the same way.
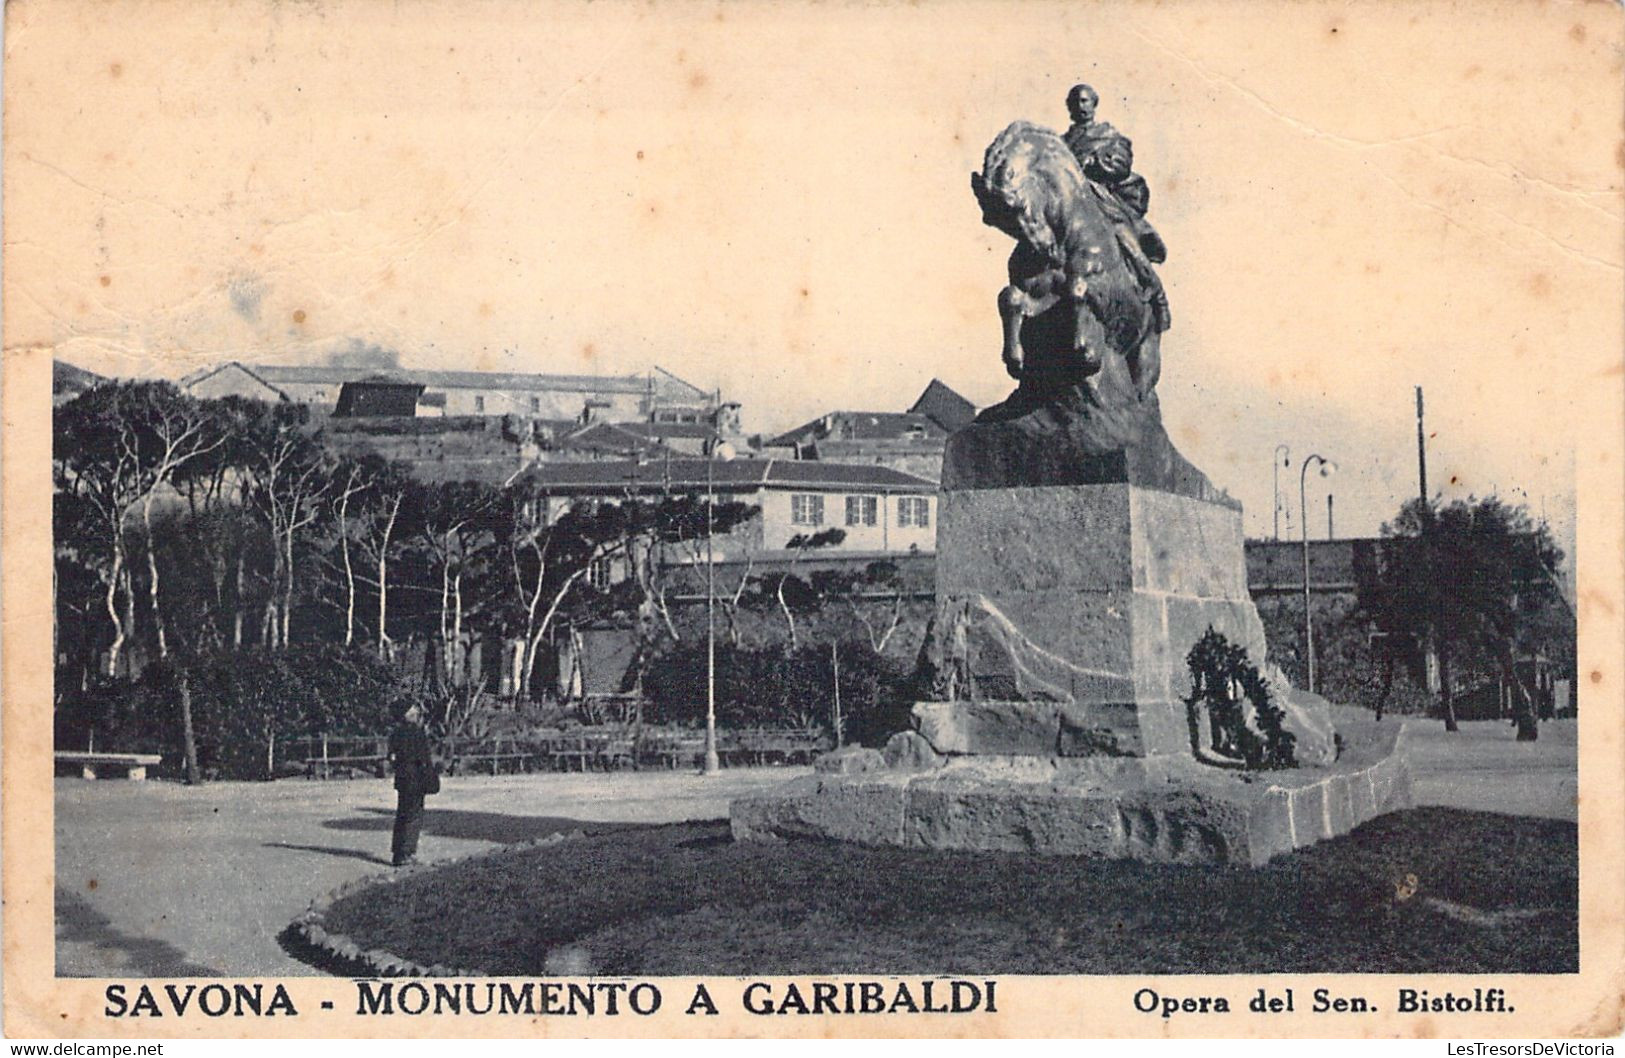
x: 133, y: 765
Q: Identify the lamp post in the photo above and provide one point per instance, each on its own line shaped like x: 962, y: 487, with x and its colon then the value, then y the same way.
x: 713, y: 764
x: 1283, y: 458
x: 1327, y: 469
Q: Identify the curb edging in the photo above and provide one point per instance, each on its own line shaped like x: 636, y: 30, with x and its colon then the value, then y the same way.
x: 310, y: 928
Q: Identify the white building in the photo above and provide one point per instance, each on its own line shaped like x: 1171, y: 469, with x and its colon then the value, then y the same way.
x: 880, y: 510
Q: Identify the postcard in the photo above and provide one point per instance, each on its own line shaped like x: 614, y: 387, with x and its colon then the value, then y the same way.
x: 813, y: 519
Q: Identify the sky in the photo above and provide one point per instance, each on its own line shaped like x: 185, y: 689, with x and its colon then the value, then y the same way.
x: 775, y: 200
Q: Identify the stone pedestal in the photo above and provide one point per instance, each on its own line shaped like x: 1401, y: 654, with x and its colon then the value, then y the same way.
x: 1064, y: 617
x: 1160, y: 809
x: 1076, y: 606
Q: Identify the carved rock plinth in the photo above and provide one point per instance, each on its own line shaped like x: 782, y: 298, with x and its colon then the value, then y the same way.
x: 1073, y: 608
x: 1160, y: 809
x: 1064, y: 616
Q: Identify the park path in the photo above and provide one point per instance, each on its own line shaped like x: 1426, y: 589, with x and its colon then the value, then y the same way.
x: 156, y: 879
x: 1484, y: 768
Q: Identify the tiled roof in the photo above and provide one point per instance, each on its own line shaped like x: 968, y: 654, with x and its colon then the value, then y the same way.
x: 944, y: 407
x: 661, y: 381
x: 323, y: 374
x: 841, y: 475
x: 690, y: 474
x: 700, y: 430
x: 863, y: 426
x: 610, y: 437
x: 202, y: 373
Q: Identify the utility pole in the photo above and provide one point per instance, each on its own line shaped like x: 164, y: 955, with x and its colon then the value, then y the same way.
x: 1327, y: 468
x: 1282, y: 458
x: 835, y: 668
x: 1329, y: 535
x: 1421, y: 449
x: 1429, y: 646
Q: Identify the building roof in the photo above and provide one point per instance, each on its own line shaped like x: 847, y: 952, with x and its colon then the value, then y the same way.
x: 863, y: 426
x: 735, y: 475
x: 659, y: 380
x: 943, y: 406
x: 378, y: 396
x: 204, y: 373
x: 694, y: 430
x: 609, y: 437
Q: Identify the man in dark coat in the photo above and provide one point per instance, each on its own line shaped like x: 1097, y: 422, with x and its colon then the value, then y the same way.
x: 415, y: 777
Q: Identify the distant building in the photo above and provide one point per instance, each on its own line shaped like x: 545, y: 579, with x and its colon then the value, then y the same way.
x: 459, y: 448
x: 1345, y: 566
x: 492, y: 449
x: 378, y: 395
x: 1337, y: 567
x: 880, y: 510
x: 658, y: 396
x: 911, y: 442
x: 944, y: 407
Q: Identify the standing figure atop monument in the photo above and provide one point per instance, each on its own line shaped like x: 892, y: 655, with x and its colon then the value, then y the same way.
x: 1107, y: 157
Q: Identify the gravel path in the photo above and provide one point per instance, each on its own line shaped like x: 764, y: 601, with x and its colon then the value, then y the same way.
x: 155, y: 879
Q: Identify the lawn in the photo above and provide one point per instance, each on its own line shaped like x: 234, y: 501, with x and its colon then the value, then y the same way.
x: 1492, y: 894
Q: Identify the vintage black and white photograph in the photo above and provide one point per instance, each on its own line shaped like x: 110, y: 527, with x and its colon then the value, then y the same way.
x: 857, y: 504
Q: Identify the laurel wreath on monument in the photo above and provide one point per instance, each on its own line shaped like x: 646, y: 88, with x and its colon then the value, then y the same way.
x: 1222, y: 678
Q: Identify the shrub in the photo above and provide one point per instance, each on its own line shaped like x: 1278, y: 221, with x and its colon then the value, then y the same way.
x: 245, y: 704
x: 775, y: 686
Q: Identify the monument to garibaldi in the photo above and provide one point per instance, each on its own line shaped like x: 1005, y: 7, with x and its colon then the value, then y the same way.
x: 1080, y: 558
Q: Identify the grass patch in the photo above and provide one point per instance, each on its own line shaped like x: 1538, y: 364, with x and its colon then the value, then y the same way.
x: 686, y: 899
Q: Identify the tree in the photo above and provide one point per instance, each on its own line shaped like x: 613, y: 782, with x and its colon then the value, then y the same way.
x: 350, y: 480
x: 456, y: 523
x: 654, y: 530
x: 382, y: 530
x: 79, y: 581
x: 284, y: 479
x: 545, y: 554
x: 1468, y: 578
x: 789, y: 590
x: 117, y: 447
x: 726, y: 519
x: 878, y: 586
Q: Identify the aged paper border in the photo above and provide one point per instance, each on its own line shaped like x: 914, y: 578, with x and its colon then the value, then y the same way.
x: 1589, y: 1003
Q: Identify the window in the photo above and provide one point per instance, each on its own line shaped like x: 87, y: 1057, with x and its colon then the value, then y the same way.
x: 862, y: 510
x: 479, y: 405
x: 598, y: 573
x: 913, y: 511
x: 535, y: 404
x: 806, y: 509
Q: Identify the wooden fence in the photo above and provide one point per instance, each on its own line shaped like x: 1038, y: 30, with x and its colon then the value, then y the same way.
x: 606, y: 748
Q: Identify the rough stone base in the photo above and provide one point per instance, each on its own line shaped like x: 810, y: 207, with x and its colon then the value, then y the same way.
x: 1065, y: 615
x: 1163, y: 810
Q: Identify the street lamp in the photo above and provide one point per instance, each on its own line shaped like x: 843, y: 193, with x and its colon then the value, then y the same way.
x: 724, y: 451
x: 1283, y: 458
x: 1327, y: 469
